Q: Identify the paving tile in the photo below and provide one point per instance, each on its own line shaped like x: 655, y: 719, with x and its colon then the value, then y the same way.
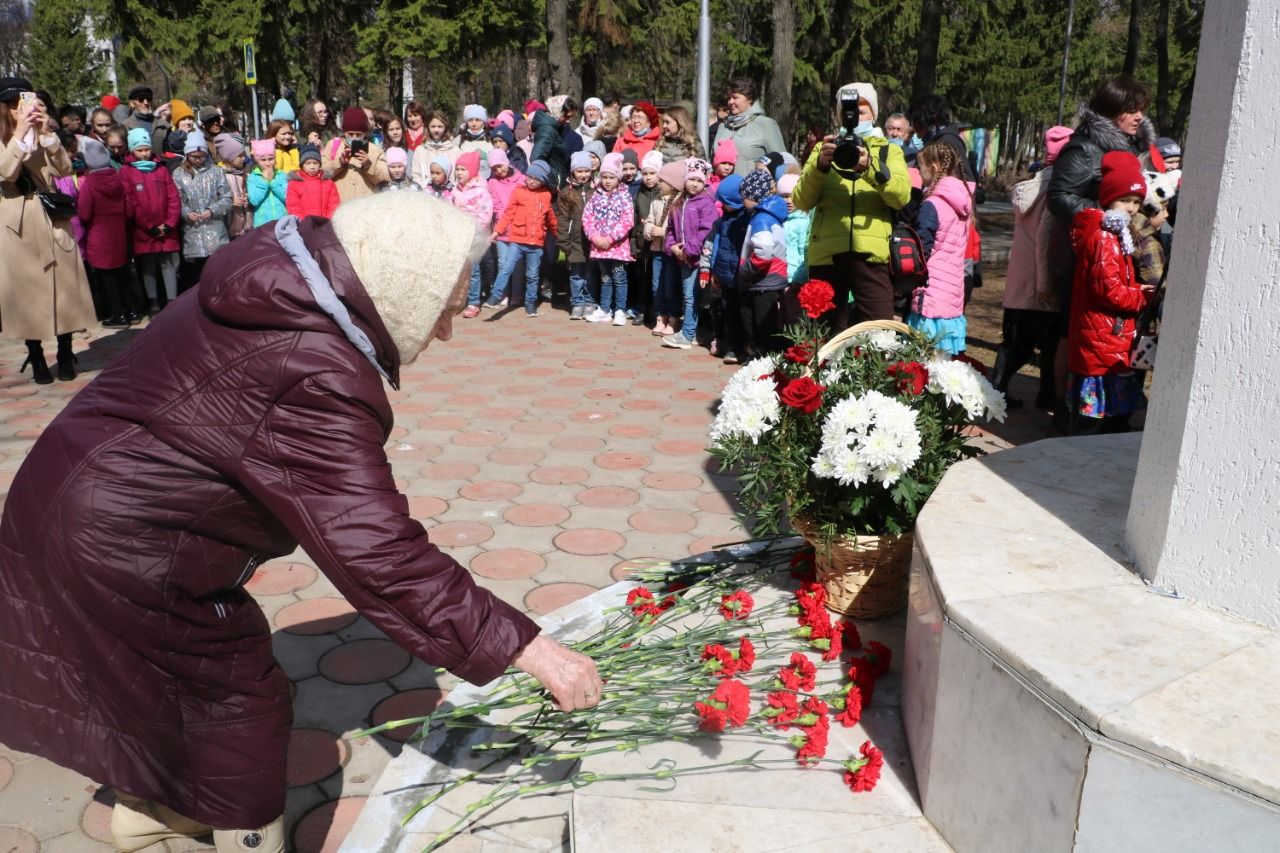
x: 364, y: 661
x: 490, y: 490
x: 516, y: 455
x: 322, y: 829
x: 536, y: 515
x: 45, y: 800
x: 662, y: 521
x: 553, y: 596
x: 678, y: 481
x: 314, y: 754
x: 451, y: 534
x: 16, y: 840
x: 590, y: 541
x: 607, y: 497
x: 508, y: 564
x: 279, y: 578
x: 316, y: 616
x: 406, y: 705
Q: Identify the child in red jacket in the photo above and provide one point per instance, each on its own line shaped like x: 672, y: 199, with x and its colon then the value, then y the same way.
x: 310, y: 192
x: 1105, y: 300
x: 154, y: 209
x: 521, y: 232
x: 100, y: 206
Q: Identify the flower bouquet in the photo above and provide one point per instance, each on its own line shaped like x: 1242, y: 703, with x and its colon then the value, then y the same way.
x: 846, y: 441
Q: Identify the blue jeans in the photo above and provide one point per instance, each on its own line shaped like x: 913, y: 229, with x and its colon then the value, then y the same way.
x: 579, y: 289
x: 664, y: 284
x: 473, y: 295
x: 509, y: 255
x: 613, y: 286
x: 689, y: 284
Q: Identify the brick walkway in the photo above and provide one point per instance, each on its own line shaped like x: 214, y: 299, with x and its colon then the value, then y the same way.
x: 544, y: 454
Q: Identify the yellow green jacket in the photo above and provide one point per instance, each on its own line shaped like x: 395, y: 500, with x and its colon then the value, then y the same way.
x: 287, y: 159
x: 857, y: 215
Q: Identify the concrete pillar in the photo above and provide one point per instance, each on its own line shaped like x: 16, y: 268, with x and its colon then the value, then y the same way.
x: 1205, y: 516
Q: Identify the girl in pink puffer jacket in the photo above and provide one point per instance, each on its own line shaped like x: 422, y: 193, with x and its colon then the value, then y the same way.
x: 471, y: 196
x: 943, y: 223
x: 607, y: 221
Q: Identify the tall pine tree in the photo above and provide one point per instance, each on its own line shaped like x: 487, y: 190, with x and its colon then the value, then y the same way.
x: 58, y: 55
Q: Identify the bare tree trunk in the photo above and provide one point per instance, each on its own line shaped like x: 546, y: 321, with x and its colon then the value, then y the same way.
x: 1134, y: 46
x: 784, y: 64
x: 531, y: 74
x: 1162, y: 66
x: 926, y: 76
x: 558, y: 55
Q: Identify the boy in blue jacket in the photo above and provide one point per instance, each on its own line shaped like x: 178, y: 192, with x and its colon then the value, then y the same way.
x: 727, y: 236
x: 762, y: 273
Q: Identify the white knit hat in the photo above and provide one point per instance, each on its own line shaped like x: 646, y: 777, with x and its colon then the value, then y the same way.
x: 866, y: 92
x: 410, y: 251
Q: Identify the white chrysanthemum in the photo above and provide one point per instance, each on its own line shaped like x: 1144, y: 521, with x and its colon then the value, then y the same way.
x: 865, y: 437
x: 749, y: 406
x: 961, y: 385
x: 884, y: 340
x: 831, y: 376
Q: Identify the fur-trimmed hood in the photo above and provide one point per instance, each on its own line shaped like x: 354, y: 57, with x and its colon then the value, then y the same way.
x: 1103, y: 132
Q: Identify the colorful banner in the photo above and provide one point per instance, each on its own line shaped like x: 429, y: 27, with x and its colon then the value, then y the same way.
x: 985, y: 144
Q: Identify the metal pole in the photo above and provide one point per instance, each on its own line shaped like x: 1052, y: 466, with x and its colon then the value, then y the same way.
x: 1066, y: 58
x: 256, y: 118
x: 704, y: 73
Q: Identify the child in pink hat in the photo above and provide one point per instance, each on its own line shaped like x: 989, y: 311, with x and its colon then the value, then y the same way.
x: 266, y: 188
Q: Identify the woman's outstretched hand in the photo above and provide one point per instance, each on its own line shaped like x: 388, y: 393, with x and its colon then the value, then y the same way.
x: 572, y: 678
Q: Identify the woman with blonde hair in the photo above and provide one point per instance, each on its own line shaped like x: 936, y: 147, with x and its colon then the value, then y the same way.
x: 679, y: 136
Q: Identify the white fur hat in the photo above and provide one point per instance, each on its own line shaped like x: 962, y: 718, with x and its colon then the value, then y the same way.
x: 866, y: 92
x: 410, y: 251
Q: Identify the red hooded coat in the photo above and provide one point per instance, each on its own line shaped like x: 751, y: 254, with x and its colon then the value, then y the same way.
x: 240, y: 424
x: 1105, y: 300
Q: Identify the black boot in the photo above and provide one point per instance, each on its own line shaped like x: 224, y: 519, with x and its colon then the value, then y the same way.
x: 39, y: 368
x: 66, y: 359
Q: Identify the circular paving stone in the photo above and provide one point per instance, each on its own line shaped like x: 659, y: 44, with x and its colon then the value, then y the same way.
x: 553, y: 596
x: 449, y: 470
x: 481, y: 438
x: 672, y: 481
x: 680, y: 447
x: 280, y: 578
x: 538, y: 427
x: 508, y: 564
x: 559, y: 475
x: 95, y: 822
x: 414, y: 452
x: 404, y: 706
x: 516, y: 456
x: 555, y: 403
x: 620, y: 460
x: 589, y: 541
x: 717, y: 502
x: 323, y: 829
x: 500, y: 413
x: 686, y: 420
x: 577, y: 442
x: 622, y: 571
x: 653, y: 384
x: 468, y: 399
x: 14, y: 840
x: 618, y: 373
x: 592, y: 416
x: 316, y: 616
x: 607, y: 496
x: 662, y: 521
x: 605, y: 394
x: 632, y: 431
x: 314, y: 754
x: 536, y: 515
x: 364, y: 662
x: 455, y: 534
x: 444, y: 423
x: 426, y: 506
x: 693, y: 395
x: 645, y: 404
x: 711, y: 543
x: 489, y: 490
x: 581, y: 364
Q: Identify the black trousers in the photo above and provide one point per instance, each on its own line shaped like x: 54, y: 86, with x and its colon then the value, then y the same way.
x: 761, y: 319
x: 189, y: 273
x: 1026, y: 332
x: 113, y: 285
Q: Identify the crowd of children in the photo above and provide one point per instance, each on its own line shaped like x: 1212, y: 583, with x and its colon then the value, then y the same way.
x: 644, y: 230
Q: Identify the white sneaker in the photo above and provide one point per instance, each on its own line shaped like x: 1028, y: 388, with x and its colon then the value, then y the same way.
x: 619, y: 318
x: 598, y: 316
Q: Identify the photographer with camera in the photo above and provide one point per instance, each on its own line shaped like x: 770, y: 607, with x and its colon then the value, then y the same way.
x: 358, y: 166
x: 854, y: 181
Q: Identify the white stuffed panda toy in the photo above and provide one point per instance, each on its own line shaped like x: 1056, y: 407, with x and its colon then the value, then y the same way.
x: 1161, y: 188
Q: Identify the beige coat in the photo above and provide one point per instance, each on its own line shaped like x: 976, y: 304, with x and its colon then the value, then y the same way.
x: 353, y: 182
x: 44, y: 290
x: 1029, y: 283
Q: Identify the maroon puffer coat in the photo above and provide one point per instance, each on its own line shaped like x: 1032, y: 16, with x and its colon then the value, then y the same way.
x: 151, y: 199
x: 240, y: 423
x: 100, y: 206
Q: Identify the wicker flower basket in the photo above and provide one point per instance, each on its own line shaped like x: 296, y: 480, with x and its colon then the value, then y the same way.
x: 865, y: 576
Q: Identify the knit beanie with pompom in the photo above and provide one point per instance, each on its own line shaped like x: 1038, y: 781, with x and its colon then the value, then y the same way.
x: 410, y: 251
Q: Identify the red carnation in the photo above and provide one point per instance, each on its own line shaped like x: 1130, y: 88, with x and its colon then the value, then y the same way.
x: 881, y: 657
x: 781, y: 708
x: 852, y: 639
x: 811, y: 594
x: 803, y: 394
x: 638, y: 593
x: 746, y: 655
x: 728, y: 706
x: 800, y: 674
x: 862, y: 774
x: 799, y: 353
x: 817, y: 725
x: 850, y: 707
x: 736, y: 605
x: 719, y: 660
x: 912, y: 376
x: 830, y: 645
x: 817, y: 297
x: 862, y: 672
x: 804, y: 565
x: 644, y: 608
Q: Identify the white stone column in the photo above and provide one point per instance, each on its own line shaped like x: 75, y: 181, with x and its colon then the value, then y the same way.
x: 1205, y: 515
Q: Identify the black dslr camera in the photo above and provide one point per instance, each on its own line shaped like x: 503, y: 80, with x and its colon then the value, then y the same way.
x: 359, y: 146
x: 849, y: 146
